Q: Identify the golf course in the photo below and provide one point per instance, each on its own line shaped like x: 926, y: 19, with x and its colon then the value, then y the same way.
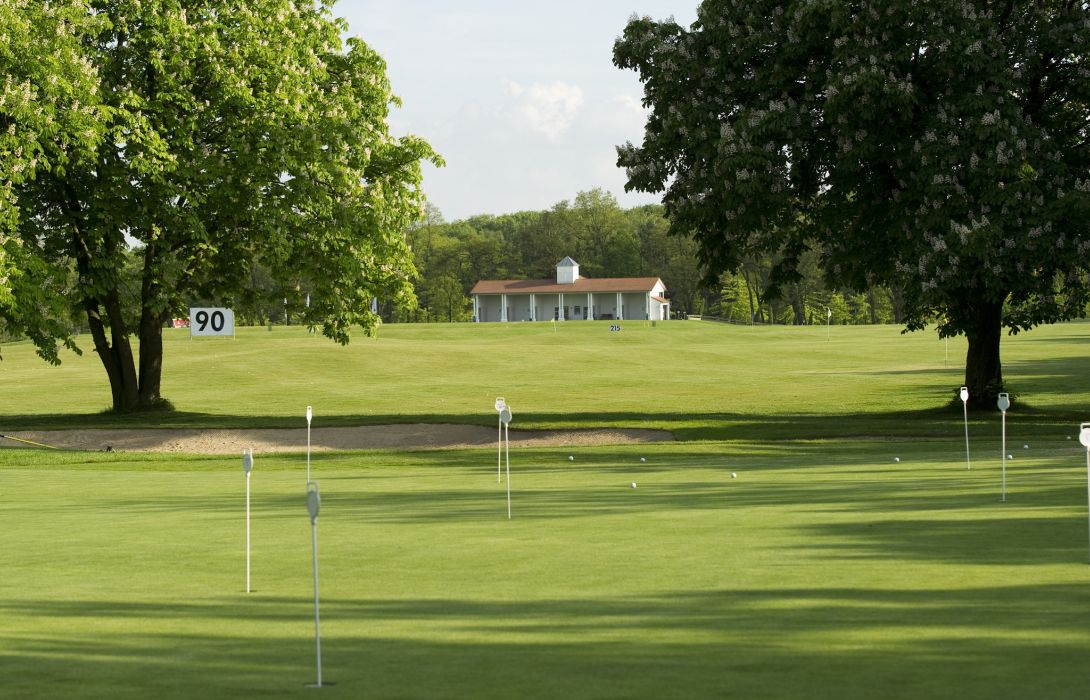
x: 815, y: 528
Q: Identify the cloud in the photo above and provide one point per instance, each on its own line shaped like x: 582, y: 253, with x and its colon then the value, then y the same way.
x: 546, y: 108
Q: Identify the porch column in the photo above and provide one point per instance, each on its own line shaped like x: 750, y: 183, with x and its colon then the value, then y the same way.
x: 503, y: 307
x: 648, y: 303
x: 620, y: 314
x: 590, y: 306
x: 560, y: 309
x: 533, y: 308
x: 476, y: 308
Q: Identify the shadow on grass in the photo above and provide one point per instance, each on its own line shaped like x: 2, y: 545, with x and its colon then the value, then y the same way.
x: 937, y: 422
x: 1014, y: 641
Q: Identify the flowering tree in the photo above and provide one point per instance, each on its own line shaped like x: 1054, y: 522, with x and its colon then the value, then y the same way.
x: 48, y: 115
x: 942, y: 146
x: 232, y: 133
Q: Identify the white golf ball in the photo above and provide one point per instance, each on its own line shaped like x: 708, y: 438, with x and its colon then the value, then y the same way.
x: 633, y: 484
x: 1068, y: 437
x: 897, y: 459
x: 733, y: 475
x: 1025, y: 447
x: 642, y: 459
x: 571, y: 458
x: 1010, y: 456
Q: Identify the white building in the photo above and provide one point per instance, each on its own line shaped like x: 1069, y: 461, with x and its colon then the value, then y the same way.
x: 570, y: 297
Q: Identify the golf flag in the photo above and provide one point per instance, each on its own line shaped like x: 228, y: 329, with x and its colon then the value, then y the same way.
x: 830, y: 312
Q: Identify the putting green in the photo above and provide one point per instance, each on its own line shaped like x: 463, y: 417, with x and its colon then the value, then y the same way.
x: 825, y: 569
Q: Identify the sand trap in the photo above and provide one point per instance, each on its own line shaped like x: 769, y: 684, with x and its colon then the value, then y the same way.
x: 417, y: 436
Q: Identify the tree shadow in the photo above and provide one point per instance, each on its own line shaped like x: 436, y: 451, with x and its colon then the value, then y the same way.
x: 847, y: 642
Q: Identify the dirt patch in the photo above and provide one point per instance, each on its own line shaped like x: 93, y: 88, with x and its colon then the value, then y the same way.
x: 417, y: 436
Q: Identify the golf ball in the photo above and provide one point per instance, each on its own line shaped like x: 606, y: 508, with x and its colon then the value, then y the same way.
x: 1025, y: 447
x: 633, y: 484
x: 733, y: 475
x: 1010, y: 456
x: 642, y: 459
x: 571, y: 458
x: 896, y: 459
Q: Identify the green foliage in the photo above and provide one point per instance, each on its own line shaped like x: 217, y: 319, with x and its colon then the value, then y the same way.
x: 233, y: 136
x: 937, y: 147
x: 49, y: 114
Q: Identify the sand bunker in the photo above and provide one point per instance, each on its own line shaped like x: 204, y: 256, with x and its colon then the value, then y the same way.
x: 417, y: 436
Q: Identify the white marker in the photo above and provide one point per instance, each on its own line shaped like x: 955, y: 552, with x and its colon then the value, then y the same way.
x: 965, y: 408
x: 248, y: 466
x: 1084, y: 438
x: 505, y: 419
x: 1004, y: 403
x: 314, y: 504
x: 500, y: 404
x: 310, y: 414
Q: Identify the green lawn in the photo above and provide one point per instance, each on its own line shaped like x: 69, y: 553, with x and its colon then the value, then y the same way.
x: 702, y: 380
x: 826, y: 569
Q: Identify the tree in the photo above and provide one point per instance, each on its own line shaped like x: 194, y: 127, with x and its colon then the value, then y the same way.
x: 941, y: 148
x: 233, y: 134
x: 48, y: 115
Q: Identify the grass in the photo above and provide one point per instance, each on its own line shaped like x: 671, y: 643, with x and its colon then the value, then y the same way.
x: 701, y: 380
x: 826, y: 569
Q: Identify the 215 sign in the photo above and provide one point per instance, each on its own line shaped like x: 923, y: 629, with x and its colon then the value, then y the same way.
x: 210, y: 321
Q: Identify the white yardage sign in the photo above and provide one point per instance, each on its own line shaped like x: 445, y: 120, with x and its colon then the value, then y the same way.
x: 209, y: 321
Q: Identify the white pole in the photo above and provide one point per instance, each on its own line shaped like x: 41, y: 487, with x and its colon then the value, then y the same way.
x: 507, y: 433
x: 313, y: 506
x: 499, y: 450
x: 310, y: 414
x: 247, y: 532
x: 317, y: 619
x: 965, y: 410
x: 1084, y: 438
x: 247, y: 467
x: 829, y: 325
x: 1004, y: 454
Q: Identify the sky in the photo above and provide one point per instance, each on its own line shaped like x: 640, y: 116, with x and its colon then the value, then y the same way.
x: 521, y: 100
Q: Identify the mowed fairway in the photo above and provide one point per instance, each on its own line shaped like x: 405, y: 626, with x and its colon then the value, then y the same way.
x: 825, y: 569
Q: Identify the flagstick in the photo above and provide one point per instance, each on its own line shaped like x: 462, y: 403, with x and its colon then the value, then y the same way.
x: 507, y: 433
x: 310, y: 414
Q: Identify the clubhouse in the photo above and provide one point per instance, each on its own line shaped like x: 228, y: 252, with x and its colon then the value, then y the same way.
x: 571, y: 298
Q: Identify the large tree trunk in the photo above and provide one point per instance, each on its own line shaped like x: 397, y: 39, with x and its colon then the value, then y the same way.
x: 151, y: 332
x: 798, y: 305
x: 151, y: 359
x: 983, y: 369
x: 897, y: 302
x: 114, y: 351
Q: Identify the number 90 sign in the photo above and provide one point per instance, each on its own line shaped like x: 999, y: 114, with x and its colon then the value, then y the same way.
x: 211, y: 322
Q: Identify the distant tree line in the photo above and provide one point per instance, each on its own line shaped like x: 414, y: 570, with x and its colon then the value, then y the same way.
x: 608, y: 241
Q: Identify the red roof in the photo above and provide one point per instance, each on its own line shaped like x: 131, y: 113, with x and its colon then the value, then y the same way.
x: 583, y: 285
